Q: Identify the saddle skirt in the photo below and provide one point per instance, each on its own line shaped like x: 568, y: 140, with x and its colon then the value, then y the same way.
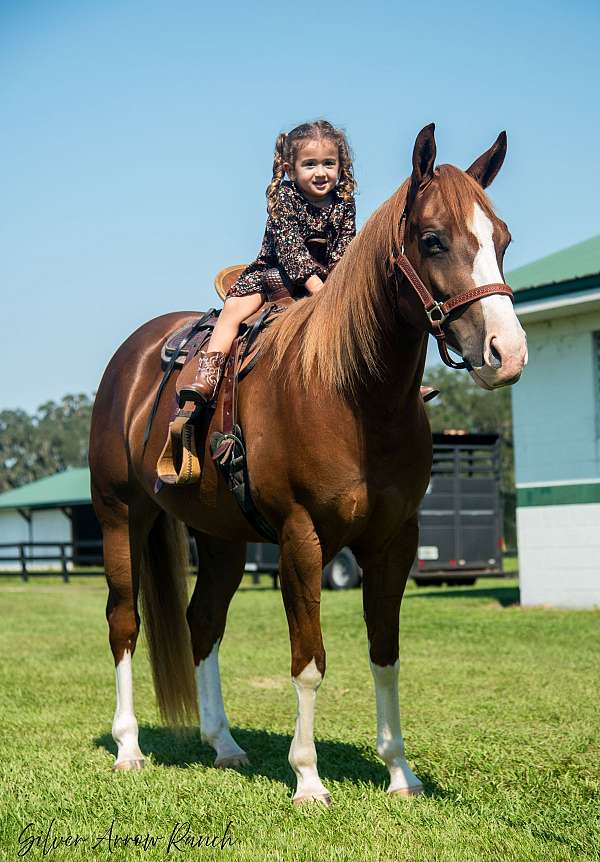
x: 193, y: 335
x: 187, y: 338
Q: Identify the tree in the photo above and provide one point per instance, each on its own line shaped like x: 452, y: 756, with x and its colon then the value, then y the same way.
x: 462, y: 405
x: 50, y: 440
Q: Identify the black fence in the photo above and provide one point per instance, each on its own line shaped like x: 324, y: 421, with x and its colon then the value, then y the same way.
x: 84, y: 559
x: 81, y: 559
x: 29, y: 559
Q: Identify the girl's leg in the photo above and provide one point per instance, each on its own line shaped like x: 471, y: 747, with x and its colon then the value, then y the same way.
x: 235, y: 310
x: 200, y: 382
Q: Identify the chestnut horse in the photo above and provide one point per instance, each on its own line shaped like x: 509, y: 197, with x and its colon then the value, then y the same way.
x: 339, y: 453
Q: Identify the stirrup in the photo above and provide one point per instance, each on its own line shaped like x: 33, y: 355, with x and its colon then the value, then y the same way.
x: 196, y: 398
x: 180, y: 447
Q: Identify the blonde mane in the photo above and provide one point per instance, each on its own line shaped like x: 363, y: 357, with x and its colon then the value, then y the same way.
x: 338, y: 334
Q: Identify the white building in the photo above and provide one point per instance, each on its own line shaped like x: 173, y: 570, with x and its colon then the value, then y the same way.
x: 556, y: 417
x: 48, y: 512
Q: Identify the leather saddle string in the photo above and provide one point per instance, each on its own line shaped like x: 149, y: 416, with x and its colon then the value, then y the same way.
x: 252, y: 334
x: 242, y: 350
x: 251, y: 352
x: 230, y: 390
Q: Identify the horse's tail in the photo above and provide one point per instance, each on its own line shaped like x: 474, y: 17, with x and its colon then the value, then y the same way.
x: 164, y: 598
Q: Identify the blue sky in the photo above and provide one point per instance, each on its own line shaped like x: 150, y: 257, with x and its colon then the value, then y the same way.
x: 137, y: 139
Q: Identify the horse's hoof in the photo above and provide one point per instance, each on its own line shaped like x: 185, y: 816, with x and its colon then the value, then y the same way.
x: 128, y: 765
x: 413, y: 790
x: 323, y: 798
x: 234, y: 761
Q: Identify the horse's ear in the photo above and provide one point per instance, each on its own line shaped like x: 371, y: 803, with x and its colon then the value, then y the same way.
x: 424, y: 155
x: 423, y: 161
x: 484, y: 169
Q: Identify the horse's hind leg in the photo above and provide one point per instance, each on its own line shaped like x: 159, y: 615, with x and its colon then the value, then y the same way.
x: 220, y: 570
x: 122, y: 559
x: 385, y: 573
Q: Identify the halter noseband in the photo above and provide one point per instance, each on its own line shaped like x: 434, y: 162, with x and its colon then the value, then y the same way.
x: 439, y: 312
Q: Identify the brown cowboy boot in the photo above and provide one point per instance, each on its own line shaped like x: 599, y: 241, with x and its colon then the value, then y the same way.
x: 427, y: 393
x: 201, y: 386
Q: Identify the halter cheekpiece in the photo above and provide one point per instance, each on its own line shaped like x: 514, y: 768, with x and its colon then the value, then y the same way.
x: 439, y: 312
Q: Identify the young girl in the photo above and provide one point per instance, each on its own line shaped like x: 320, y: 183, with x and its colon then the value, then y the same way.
x: 315, y: 204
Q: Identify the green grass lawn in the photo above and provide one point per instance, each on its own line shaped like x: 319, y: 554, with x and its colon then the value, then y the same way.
x: 501, y: 717
x: 510, y: 565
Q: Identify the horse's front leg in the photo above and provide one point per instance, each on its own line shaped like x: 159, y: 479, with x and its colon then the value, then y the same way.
x: 385, y: 573
x: 300, y: 570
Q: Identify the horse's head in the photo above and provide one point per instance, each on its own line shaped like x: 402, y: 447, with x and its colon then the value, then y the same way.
x: 456, y: 244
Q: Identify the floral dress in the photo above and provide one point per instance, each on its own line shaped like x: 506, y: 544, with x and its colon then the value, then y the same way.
x: 284, y: 243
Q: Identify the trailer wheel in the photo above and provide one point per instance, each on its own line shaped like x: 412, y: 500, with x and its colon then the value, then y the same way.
x: 343, y: 572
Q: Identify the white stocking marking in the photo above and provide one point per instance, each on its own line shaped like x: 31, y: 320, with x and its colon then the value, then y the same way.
x: 303, y: 755
x: 390, y: 745
x: 214, y: 727
x: 125, y: 726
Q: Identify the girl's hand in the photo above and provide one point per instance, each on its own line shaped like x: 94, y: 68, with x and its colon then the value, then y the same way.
x: 313, y: 284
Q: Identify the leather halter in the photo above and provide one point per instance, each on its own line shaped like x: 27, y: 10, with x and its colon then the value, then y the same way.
x: 439, y: 312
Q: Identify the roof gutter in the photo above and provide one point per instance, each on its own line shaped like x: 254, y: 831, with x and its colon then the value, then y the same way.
x: 556, y: 288
x: 560, y: 307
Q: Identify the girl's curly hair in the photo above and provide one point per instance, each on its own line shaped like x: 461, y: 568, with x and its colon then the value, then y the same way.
x: 288, y: 146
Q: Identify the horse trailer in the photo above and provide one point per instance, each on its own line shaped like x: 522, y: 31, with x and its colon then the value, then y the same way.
x: 460, y: 518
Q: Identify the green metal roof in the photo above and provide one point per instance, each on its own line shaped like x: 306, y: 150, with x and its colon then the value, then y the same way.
x: 69, y: 488
x: 572, y: 263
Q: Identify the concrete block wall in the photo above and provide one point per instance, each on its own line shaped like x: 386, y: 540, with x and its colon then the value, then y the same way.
x: 559, y: 555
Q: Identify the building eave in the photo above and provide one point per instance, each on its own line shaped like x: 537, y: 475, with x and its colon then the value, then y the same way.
x: 556, y: 289
x: 559, y: 306
x: 38, y: 507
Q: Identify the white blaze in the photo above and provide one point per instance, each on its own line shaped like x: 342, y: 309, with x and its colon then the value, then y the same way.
x: 485, y: 265
x: 499, y: 317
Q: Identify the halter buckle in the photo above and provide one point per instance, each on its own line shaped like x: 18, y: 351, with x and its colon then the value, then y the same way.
x: 436, y: 314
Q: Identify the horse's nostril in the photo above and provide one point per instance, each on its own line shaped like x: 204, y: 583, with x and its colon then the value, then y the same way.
x: 495, y: 358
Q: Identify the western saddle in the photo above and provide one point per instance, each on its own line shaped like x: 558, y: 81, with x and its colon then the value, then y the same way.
x: 180, y: 461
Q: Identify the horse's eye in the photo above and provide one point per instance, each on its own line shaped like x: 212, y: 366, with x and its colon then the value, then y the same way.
x: 432, y: 243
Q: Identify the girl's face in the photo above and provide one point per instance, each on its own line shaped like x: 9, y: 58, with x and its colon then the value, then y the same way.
x: 316, y: 169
